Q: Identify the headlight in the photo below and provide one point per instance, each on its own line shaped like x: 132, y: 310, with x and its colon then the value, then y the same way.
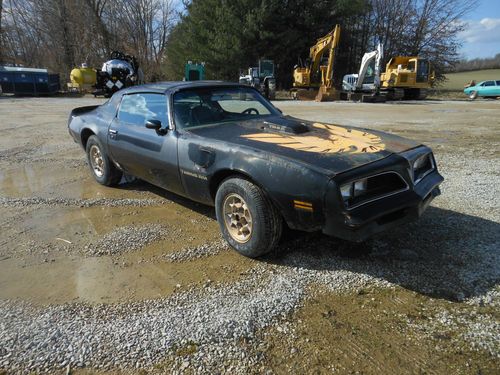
x: 422, y: 166
x: 360, y: 187
x: 364, y: 190
x: 345, y: 191
x: 353, y: 189
x: 420, y: 162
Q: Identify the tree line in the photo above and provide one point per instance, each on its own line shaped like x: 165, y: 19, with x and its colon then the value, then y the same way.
x: 228, y: 35
x: 477, y: 64
x: 62, y: 34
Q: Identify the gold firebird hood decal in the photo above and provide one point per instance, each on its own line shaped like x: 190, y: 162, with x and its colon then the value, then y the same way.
x: 325, y: 139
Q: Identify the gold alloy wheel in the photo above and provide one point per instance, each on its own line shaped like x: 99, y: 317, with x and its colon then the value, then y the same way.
x: 237, y: 218
x: 96, y: 161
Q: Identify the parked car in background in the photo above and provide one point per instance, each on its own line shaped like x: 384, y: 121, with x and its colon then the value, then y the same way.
x: 225, y: 145
x: 484, y: 88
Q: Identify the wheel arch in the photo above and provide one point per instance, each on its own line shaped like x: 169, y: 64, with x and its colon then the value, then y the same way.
x: 226, y: 173
x: 223, y: 174
x: 85, y: 135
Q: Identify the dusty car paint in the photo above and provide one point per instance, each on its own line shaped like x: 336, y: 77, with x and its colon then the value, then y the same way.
x: 299, y: 164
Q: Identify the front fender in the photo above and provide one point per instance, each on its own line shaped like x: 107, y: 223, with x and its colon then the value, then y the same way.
x: 296, y: 190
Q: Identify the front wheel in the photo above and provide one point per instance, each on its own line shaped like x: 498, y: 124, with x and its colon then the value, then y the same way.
x: 102, y: 168
x: 248, y: 220
x: 473, y: 95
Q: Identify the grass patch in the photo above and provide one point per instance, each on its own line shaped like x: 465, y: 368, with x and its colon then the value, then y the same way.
x: 456, y: 81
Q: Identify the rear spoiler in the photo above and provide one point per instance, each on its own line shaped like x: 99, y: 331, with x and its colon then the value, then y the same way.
x: 81, y: 110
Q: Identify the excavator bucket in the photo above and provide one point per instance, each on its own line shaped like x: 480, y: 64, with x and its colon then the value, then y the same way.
x: 326, y: 94
x: 304, y: 94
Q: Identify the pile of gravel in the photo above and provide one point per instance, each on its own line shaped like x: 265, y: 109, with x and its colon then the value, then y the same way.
x: 125, y: 239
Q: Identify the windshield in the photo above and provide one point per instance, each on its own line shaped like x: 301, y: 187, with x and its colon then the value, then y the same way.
x: 204, y: 106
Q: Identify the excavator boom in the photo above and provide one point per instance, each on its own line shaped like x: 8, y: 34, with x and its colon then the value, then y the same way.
x: 368, y: 57
x: 302, y: 75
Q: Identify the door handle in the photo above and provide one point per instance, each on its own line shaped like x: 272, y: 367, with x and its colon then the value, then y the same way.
x: 113, y: 131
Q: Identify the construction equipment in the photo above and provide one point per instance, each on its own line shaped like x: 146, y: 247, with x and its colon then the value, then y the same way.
x: 407, y: 77
x: 365, y: 85
x: 194, y: 71
x: 120, y: 71
x: 314, y: 80
x: 83, y: 79
x: 261, y: 77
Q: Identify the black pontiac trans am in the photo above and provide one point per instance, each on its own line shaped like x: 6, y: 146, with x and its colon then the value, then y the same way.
x: 224, y: 145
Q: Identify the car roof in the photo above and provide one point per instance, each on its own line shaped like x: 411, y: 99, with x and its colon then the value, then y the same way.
x: 175, y: 85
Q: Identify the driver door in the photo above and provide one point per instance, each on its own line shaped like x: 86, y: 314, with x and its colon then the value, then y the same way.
x: 145, y: 153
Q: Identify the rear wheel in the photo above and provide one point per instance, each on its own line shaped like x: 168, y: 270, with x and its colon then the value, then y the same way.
x: 102, y: 168
x: 248, y: 220
x: 473, y: 95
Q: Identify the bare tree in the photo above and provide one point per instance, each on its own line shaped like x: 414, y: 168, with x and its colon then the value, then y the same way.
x: 426, y: 28
x: 60, y: 34
x: 145, y: 26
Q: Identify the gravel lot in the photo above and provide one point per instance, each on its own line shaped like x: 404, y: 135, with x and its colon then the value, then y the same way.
x: 134, y: 279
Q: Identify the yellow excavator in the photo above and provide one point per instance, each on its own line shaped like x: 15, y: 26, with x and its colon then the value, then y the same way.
x: 407, y: 77
x: 314, y: 80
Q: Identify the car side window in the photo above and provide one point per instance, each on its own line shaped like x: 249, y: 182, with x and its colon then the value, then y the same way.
x: 136, y: 109
x: 489, y: 83
x: 498, y: 83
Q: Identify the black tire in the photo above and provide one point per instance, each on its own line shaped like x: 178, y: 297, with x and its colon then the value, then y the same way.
x: 473, y: 95
x: 110, y: 175
x: 266, y: 220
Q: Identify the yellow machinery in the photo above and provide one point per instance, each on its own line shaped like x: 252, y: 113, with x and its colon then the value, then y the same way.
x: 315, y: 80
x: 407, y: 77
x: 82, y: 79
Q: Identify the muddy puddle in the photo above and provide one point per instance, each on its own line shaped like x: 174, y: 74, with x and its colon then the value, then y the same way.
x: 111, y: 280
x: 44, y: 180
x: 44, y: 256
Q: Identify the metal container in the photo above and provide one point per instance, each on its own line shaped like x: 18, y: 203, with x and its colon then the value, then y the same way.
x: 28, y: 81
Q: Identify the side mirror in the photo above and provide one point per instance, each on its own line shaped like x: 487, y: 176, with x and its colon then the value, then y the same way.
x: 153, y: 124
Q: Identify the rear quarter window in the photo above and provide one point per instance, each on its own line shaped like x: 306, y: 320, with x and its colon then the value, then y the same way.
x: 136, y: 109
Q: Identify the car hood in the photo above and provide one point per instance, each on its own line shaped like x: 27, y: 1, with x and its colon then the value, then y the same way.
x: 332, y: 147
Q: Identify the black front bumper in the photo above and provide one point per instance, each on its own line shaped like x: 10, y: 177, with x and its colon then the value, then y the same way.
x: 380, y: 215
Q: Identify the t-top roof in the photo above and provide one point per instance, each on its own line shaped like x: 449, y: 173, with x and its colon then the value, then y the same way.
x: 169, y: 85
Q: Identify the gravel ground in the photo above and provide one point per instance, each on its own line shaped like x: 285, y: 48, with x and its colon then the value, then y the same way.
x: 126, y: 239
x: 196, y: 252
x: 448, y: 263
x: 138, y: 335
x: 38, y: 201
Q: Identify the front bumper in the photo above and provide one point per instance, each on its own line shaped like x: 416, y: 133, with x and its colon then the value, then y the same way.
x: 362, y: 222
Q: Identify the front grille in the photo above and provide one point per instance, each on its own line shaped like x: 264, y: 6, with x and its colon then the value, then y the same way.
x: 377, y: 187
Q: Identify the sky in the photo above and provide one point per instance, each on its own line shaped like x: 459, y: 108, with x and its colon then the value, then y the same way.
x: 482, y: 36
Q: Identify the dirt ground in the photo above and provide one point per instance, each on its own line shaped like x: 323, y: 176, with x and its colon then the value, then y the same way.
x: 430, y: 303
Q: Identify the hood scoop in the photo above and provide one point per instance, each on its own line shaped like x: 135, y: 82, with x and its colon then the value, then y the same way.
x: 284, y: 125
